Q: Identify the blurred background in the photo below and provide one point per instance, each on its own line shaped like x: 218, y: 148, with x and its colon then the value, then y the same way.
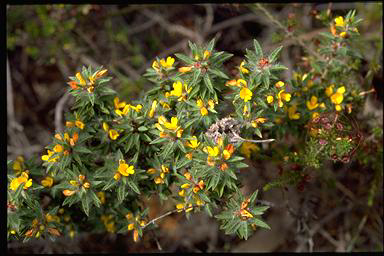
x: 48, y: 43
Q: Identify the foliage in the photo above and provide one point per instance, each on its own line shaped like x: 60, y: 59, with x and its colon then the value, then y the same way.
x: 177, y: 142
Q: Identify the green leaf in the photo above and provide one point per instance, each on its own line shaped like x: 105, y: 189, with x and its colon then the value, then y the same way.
x: 218, y: 73
x: 265, y: 79
x: 273, y: 56
x: 258, y: 132
x: 254, y: 196
x: 121, y: 193
x: 133, y: 186
x: 142, y: 129
x: 196, y: 75
x: 81, y: 149
x: 258, y: 50
x: 211, y: 44
x: 159, y: 140
x: 243, y: 230
x: 91, y: 97
x: 261, y: 223
x: 85, y: 204
x: 208, y: 83
x: 96, y: 201
x: 184, y: 58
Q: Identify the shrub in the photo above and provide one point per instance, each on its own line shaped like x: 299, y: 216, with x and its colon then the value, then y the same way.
x: 180, y: 142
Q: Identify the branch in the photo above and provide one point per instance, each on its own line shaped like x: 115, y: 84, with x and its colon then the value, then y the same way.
x: 173, y: 28
x: 160, y: 217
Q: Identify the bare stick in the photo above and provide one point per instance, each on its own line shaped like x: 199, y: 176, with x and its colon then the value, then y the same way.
x: 160, y: 217
x: 353, y: 241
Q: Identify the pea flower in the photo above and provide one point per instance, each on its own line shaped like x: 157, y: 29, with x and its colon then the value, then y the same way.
x: 23, y: 178
x: 339, y: 22
x: 260, y: 120
x: 312, y: 104
x: 179, y: 92
x: 242, y: 68
x: 194, y: 143
x: 47, y: 182
x: 337, y: 97
x: 282, y: 95
x: 167, y: 64
x: 292, y: 114
x: 124, y: 169
x: 153, y: 108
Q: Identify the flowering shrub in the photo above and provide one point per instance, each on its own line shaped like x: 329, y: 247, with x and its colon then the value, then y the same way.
x: 177, y: 142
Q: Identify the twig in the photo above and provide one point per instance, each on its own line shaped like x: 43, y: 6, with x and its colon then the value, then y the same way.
x: 141, y: 28
x: 59, y: 112
x: 288, y: 33
x: 208, y: 18
x: 173, y: 28
x: 160, y: 217
x: 329, y: 238
x: 353, y: 240
x: 367, y: 92
x: 233, y: 21
x: 10, y: 106
x: 327, y: 218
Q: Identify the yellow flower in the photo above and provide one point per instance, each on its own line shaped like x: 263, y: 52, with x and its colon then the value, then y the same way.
x: 131, y: 226
x: 23, y: 178
x: 245, y: 94
x: 260, y: 120
x: 167, y: 64
x: 58, y: 148
x: 241, y: 83
x: 179, y: 133
x: 213, y: 151
x: 113, y: 134
x: 97, y: 75
x: 101, y: 196
x: 68, y: 192
x: 246, y: 111
x: 47, y: 182
x: 312, y: 104
x: 81, y: 79
x: 231, y: 83
x: 315, y: 115
x: 322, y: 105
x: 155, y: 66
x: 279, y: 84
x: 282, y: 95
x: 17, y: 164
x: 337, y: 97
x: 105, y: 126
x: 206, y: 55
x: 339, y: 22
x: 270, y: 99
x: 247, y: 148
x: 137, y: 108
x: 48, y: 157
x: 172, y: 125
x: 338, y: 107
x: 153, y: 108
x: 329, y: 90
x: 185, y: 69
x: 124, y: 169
x: 194, y: 143
x: 292, y: 114
x: 178, y: 90
x: 80, y: 124
x: 117, y: 176
x: 344, y: 34
x: 242, y: 68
